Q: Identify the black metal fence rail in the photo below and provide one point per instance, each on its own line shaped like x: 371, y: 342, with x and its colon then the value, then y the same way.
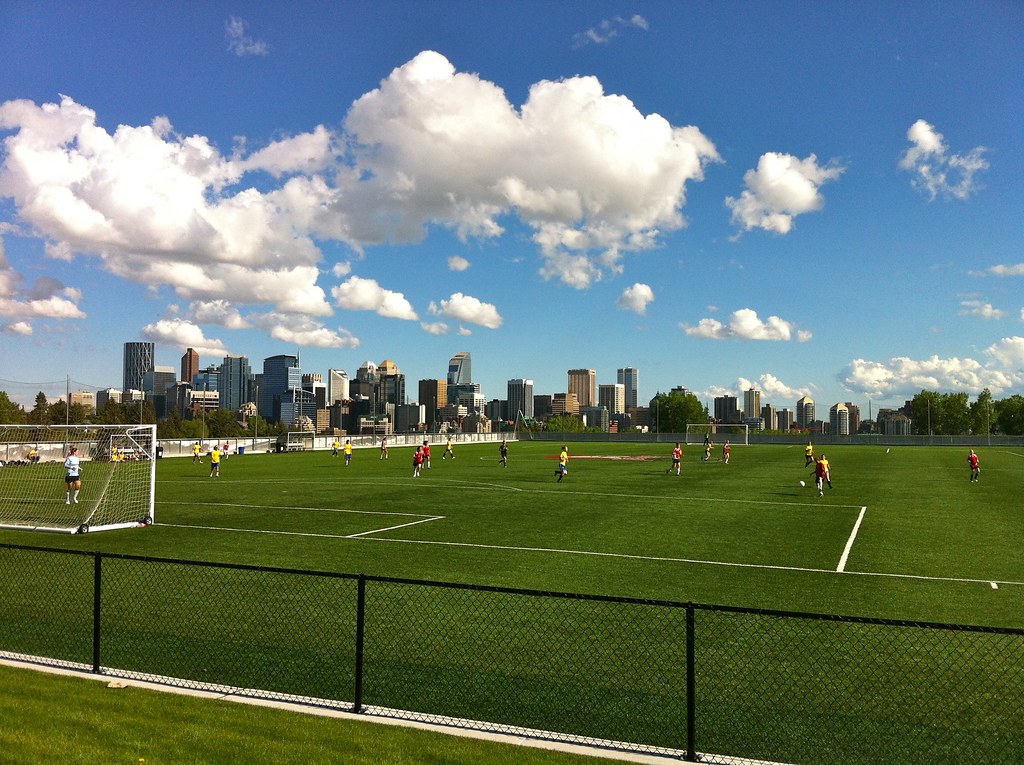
x: 682, y: 679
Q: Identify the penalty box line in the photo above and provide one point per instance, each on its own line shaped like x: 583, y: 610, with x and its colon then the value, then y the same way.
x: 849, y: 542
x: 420, y: 518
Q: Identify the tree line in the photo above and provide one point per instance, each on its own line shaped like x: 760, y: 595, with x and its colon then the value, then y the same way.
x: 217, y: 423
x: 941, y: 414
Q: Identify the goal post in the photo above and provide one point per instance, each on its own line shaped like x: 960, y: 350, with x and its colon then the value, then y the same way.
x: 737, y: 433
x: 118, y: 474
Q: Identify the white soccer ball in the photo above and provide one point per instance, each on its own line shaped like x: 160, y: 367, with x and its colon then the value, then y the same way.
x: 802, y: 483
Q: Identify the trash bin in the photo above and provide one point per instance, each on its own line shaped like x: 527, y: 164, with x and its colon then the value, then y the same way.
x: 241, y: 450
x: 159, y: 452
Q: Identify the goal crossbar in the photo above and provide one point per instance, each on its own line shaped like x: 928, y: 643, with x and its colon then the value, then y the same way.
x: 118, y: 477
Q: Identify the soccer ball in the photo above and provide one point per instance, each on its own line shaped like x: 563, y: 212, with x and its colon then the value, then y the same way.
x: 802, y: 483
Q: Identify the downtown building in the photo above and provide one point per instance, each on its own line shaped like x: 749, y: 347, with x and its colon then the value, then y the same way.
x: 583, y: 382
x: 139, y: 358
x: 629, y: 378
x: 520, y: 399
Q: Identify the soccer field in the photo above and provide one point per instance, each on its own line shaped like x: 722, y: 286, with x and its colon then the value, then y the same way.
x: 902, y: 534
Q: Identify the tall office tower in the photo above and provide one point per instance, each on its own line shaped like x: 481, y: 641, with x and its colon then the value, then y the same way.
x: 235, y: 382
x: 839, y: 420
x: 630, y: 377
x: 612, y: 397
x: 460, y: 376
x: 337, y: 385
x: 367, y: 372
x: 189, y: 365
x: 138, y: 359
x: 786, y: 420
x: 854, y: 411
x: 583, y: 382
x: 313, y: 383
x: 520, y: 398
x: 391, y: 387
x: 770, y: 416
x: 433, y: 395
x: 281, y: 375
x: 805, y: 411
x: 565, y: 404
x: 158, y: 380
x: 727, y: 409
x: 752, y: 403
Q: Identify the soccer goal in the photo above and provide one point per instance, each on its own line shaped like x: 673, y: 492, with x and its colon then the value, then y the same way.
x: 299, y: 440
x: 696, y: 432
x: 117, y: 472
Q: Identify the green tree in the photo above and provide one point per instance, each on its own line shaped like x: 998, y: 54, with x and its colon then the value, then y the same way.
x: 926, y: 408
x: 671, y: 412
x: 564, y: 424
x: 983, y: 414
x: 11, y: 413
x: 955, y: 417
x: 222, y: 423
x: 1009, y: 413
x: 170, y: 426
x: 40, y: 414
x: 110, y: 413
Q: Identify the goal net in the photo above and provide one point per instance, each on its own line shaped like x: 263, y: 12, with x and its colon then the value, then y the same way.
x: 299, y: 440
x: 696, y: 432
x: 117, y: 473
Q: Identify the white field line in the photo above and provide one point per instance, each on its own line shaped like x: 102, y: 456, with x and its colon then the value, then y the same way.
x: 849, y: 542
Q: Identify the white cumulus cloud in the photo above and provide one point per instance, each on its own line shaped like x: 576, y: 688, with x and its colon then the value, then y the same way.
x: 773, y: 390
x: 180, y: 333
x: 936, y: 170
x: 780, y: 188
x: 981, y: 309
x: 236, y: 32
x: 358, y: 294
x: 902, y: 377
x: 468, y: 309
x: 457, y: 263
x: 745, y: 324
x: 636, y: 298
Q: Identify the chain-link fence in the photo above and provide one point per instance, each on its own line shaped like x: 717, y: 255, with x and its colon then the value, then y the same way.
x: 692, y: 681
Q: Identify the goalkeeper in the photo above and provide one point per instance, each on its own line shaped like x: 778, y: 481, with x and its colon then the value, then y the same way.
x: 72, y: 476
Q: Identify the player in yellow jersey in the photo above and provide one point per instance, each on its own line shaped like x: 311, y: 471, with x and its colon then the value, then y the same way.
x: 563, y: 464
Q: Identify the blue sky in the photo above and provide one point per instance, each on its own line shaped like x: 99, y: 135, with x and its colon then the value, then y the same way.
x: 817, y: 199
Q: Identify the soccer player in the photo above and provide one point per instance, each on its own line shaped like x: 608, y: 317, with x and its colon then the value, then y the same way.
x: 726, y: 451
x: 708, y: 446
x: 426, y: 454
x: 215, y: 462
x: 972, y: 460
x: 448, y: 450
x: 197, y: 453
x: 348, y: 451
x: 334, y: 447
x: 417, y: 461
x: 503, y: 453
x: 822, y: 474
x: 563, y: 464
x: 808, y: 454
x: 384, y: 448
x: 72, y: 476
x: 677, y: 456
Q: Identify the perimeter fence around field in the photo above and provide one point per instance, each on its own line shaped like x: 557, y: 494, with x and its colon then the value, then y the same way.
x: 690, y: 681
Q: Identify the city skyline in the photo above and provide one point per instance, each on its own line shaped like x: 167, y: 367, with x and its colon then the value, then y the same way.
x: 814, y: 199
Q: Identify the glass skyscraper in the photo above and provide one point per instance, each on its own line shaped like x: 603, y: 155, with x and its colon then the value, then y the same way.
x: 630, y: 378
x: 281, y: 375
x: 139, y: 358
x: 235, y: 382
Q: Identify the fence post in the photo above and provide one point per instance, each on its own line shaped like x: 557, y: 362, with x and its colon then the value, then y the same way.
x: 97, y: 595
x: 691, y: 685
x: 360, y: 633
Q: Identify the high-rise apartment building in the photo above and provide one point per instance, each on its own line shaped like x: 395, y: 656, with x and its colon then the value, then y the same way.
x: 565, y: 404
x: 630, y: 378
x: 583, y: 382
x: 854, y: 411
x: 189, y: 365
x: 236, y: 386
x: 139, y: 358
x: 805, y: 411
x: 751, y: 403
x: 612, y: 396
x: 839, y: 420
x: 727, y: 409
x: 337, y: 385
x: 520, y: 398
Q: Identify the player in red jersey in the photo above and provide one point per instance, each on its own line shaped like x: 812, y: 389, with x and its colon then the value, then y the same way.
x: 972, y: 460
